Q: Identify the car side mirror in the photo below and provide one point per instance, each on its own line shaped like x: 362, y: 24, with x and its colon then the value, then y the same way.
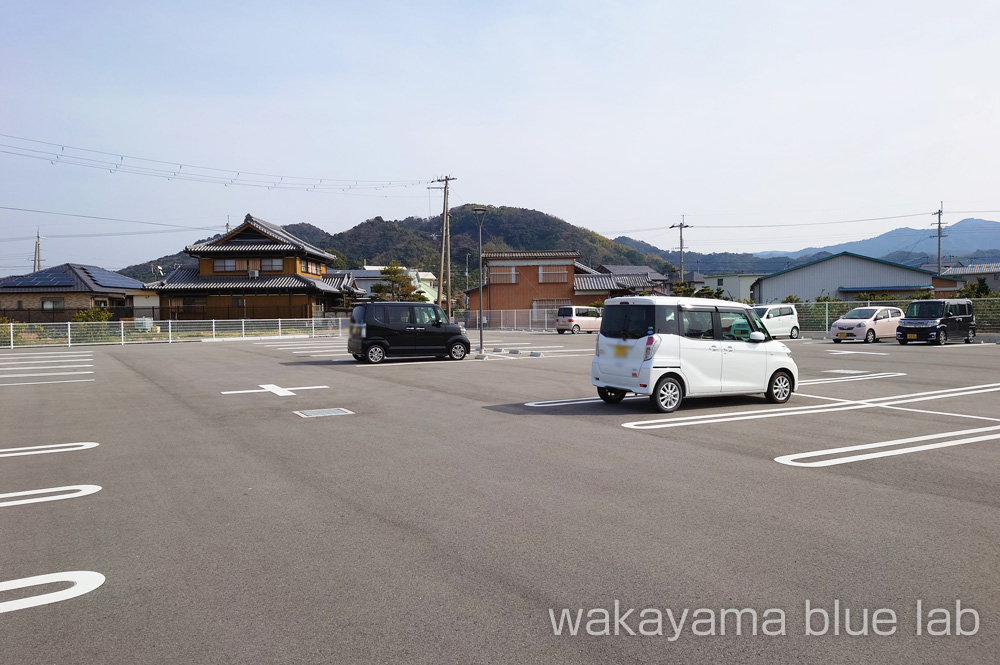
x: 437, y: 323
x: 756, y: 336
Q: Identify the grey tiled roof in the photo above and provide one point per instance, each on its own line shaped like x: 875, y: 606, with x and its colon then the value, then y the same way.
x: 188, y: 279
x: 341, y: 281
x: 633, y: 270
x: 610, y: 282
x: 542, y: 254
x: 282, y: 242
x: 584, y: 268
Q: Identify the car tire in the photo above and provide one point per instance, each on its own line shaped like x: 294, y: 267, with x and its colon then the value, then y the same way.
x: 942, y: 338
x: 793, y: 333
x: 560, y: 331
x: 375, y: 354
x: 457, y: 351
x: 869, y: 337
x: 611, y: 395
x: 837, y: 341
x: 902, y: 341
x: 971, y: 337
x: 576, y: 329
x: 667, y: 395
x: 779, y: 388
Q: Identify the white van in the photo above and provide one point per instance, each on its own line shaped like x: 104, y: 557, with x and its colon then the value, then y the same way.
x: 672, y: 348
x: 574, y: 318
x: 780, y: 320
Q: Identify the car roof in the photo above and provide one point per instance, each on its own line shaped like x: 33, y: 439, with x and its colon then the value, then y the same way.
x: 673, y: 300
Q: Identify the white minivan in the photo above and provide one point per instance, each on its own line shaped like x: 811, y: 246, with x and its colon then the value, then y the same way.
x: 672, y: 348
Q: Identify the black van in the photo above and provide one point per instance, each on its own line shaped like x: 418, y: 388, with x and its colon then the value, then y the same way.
x: 937, y: 321
x: 380, y: 329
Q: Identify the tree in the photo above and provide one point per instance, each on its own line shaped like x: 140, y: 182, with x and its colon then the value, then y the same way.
x: 682, y: 289
x: 978, y: 290
x: 396, y: 284
x: 792, y: 299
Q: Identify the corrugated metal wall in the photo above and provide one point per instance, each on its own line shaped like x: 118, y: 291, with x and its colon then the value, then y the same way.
x: 826, y: 278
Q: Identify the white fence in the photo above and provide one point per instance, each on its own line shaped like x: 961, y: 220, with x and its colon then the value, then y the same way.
x: 813, y: 317
x: 141, y: 331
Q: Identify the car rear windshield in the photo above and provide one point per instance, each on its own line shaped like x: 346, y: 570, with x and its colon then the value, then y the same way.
x: 860, y: 313
x: 565, y: 311
x: 633, y: 321
x: 928, y: 309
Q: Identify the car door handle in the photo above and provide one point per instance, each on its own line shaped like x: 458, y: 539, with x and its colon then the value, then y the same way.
x: 728, y: 349
x: 715, y: 348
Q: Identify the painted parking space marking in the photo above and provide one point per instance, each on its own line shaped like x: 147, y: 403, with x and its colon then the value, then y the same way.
x: 50, y: 448
x: 844, y: 371
x: 83, y: 581
x: 20, y: 376
x: 21, y: 369
x: 319, y: 413
x: 846, y: 405
x: 81, y: 359
x: 985, y: 434
x: 46, y: 494
x: 271, y: 388
x: 841, y: 352
x: 844, y: 379
x: 577, y: 400
x: 43, y: 383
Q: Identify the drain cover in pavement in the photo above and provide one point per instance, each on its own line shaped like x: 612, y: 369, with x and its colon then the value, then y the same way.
x: 316, y: 413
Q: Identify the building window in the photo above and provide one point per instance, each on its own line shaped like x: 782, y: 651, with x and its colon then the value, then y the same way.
x: 52, y: 303
x: 20, y: 304
x: 552, y: 274
x: 310, y: 267
x: 272, y: 264
x: 99, y: 302
x: 719, y: 282
x: 503, y: 275
x: 554, y: 303
x: 225, y: 265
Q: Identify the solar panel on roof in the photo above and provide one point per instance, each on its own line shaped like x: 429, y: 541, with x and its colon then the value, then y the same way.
x: 111, y: 280
x: 40, y: 279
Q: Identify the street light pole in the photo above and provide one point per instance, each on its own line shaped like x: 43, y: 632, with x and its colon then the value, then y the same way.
x: 480, y: 216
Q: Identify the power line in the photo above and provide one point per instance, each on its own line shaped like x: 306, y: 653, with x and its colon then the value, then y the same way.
x: 109, y: 219
x: 120, y: 163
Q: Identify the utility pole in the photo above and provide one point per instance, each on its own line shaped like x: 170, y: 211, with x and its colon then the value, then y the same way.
x: 445, y: 265
x: 940, y: 235
x: 681, y: 226
x: 38, y: 251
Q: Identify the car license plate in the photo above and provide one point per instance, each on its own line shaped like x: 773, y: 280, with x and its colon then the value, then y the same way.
x: 621, y: 351
x: 841, y: 334
x: 911, y: 336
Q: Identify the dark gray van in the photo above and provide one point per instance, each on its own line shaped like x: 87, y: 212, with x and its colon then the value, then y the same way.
x: 380, y: 329
x: 937, y: 321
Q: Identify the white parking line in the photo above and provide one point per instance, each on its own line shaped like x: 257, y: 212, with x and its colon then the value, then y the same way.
x: 45, y: 360
x: 793, y: 460
x: 21, y: 369
x: 18, y: 376
x: 42, y: 383
x: 59, y: 355
x: 48, y: 494
x: 83, y: 581
x: 866, y: 377
x: 850, y: 405
x: 50, y: 448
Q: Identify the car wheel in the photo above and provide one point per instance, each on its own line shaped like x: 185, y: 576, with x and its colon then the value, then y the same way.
x: 869, y: 337
x: 971, y: 337
x: 611, y: 395
x: 357, y: 356
x: 375, y: 354
x: 667, y: 395
x: 560, y: 331
x: 902, y: 341
x: 837, y: 341
x: 942, y: 337
x: 779, y: 388
x: 793, y: 333
x: 576, y: 329
x: 457, y: 351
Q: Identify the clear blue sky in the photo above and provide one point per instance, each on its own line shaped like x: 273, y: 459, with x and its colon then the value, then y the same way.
x: 614, y: 116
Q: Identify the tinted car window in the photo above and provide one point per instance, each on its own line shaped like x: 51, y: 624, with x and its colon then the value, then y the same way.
x: 565, y: 311
x: 399, y: 314
x: 424, y: 314
x: 697, y: 325
x: 927, y: 309
x: 953, y: 309
x: 378, y: 313
x: 358, y: 314
x: 628, y: 321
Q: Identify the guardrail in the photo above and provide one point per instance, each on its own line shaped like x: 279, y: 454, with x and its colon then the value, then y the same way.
x: 143, y: 331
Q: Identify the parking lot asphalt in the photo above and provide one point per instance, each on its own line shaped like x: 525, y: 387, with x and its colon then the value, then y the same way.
x: 458, y: 508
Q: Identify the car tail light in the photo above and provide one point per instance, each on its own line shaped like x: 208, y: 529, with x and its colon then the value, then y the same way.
x: 652, y: 344
x: 569, y: 320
